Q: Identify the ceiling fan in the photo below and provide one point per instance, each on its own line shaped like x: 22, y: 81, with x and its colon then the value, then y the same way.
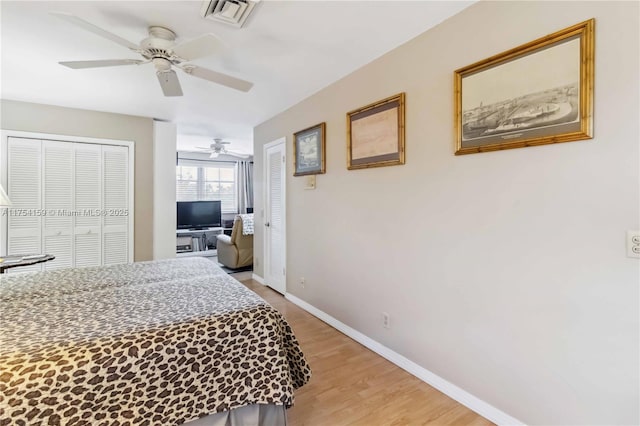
x: 218, y: 147
x: 161, y: 49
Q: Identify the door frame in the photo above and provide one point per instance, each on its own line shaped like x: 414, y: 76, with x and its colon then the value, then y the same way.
x: 265, y: 195
x: 4, y: 138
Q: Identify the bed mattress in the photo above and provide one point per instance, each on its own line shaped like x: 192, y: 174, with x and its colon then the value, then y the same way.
x: 151, y: 343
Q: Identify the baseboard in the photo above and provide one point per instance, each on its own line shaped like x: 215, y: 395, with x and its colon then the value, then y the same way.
x: 463, y: 397
x: 258, y: 278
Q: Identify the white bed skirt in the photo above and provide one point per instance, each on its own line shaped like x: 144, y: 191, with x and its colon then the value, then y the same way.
x: 249, y: 415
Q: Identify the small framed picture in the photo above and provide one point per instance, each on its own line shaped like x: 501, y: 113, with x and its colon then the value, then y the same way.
x: 309, y: 151
x: 535, y: 94
x: 375, y: 134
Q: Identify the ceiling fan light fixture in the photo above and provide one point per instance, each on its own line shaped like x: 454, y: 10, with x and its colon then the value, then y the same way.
x: 161, y: 64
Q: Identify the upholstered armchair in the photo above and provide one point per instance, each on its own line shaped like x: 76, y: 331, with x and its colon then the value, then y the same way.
x: 236, y: 250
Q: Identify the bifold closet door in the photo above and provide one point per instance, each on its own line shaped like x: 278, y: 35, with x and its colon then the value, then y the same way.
x: 71, y: 200
x: 115, y: 203
x: 24, y: 186
x: 88, y: 204
x: 57, y: 194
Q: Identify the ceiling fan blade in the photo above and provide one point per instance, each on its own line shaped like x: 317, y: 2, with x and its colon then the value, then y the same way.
x: 200, y: 47
x: 203, y: 147
x: 218, y: 77
x: 169, y: 83
x: 101, y: 63
x: 96, y: 30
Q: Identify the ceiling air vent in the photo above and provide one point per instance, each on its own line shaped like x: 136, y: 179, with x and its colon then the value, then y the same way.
x: 231, y: 12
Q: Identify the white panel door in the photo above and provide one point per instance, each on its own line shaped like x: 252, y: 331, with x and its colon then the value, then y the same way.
x: 88, y: 204
x: 275, y: 225
x: 57, y: 197
x: 24, y: 180
x: 115, y: 205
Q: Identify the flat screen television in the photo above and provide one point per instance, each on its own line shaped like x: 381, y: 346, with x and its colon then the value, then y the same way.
x: 199, y: 214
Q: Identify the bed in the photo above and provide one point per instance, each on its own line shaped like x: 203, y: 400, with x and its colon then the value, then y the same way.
x: 150, y: 343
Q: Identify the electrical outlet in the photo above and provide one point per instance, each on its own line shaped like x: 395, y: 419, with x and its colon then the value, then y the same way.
x: 302, y: 281
x: 633, y: 244
x: 386, y: 320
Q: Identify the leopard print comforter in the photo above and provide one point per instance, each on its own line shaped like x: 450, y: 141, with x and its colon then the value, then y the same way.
x: 152, y: 343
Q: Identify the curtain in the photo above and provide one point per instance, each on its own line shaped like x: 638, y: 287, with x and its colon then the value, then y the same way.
x: 245, y: 186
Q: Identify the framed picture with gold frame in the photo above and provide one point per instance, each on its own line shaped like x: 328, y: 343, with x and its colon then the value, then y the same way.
x: 375, y: 134
x: 309, y: 150
x: 535, y: 94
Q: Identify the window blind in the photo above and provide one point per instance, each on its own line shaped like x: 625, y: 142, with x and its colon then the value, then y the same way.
x: 202, y: 181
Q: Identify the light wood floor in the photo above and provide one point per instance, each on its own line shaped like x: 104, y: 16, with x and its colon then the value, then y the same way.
x: 353, y: 386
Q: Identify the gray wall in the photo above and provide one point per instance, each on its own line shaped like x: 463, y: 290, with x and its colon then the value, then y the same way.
x: 57, y: 120
x: 504, y: 273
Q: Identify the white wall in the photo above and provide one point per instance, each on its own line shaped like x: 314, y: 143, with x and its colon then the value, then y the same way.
x: 164, y: 190
x: 504, y: 273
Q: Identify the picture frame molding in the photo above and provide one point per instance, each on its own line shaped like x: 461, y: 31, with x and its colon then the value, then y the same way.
x: 585, y: 31
x: 322, y: 154
x: 400, y: 98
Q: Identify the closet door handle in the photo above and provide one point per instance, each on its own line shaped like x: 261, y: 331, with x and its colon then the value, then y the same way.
x: 267, y: 224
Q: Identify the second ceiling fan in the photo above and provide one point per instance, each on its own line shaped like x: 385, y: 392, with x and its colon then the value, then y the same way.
x: 161, y: 49
x: 218, y: 147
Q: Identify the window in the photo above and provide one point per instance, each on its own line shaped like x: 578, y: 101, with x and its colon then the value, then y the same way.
x: 208, y: 181
x: 187, y: 183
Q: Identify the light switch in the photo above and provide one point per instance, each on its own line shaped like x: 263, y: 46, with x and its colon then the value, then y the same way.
x: 311, y: 182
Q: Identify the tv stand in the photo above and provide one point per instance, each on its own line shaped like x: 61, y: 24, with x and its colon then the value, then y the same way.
x: 210, y: 235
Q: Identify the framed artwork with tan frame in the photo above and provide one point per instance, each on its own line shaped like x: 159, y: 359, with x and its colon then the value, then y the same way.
x: 309, y: 147
x: 375, y: 134
x: 535, y: 94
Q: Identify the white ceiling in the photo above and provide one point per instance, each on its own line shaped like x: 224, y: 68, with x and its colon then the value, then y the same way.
x: 289, y: 49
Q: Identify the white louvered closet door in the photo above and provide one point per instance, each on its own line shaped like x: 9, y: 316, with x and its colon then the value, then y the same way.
x: 57, y: 184
x: 71, y: 200
x: 275, y: 250
x: 115, y: 197
x: 88, y: 204
x: 24, y: 181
